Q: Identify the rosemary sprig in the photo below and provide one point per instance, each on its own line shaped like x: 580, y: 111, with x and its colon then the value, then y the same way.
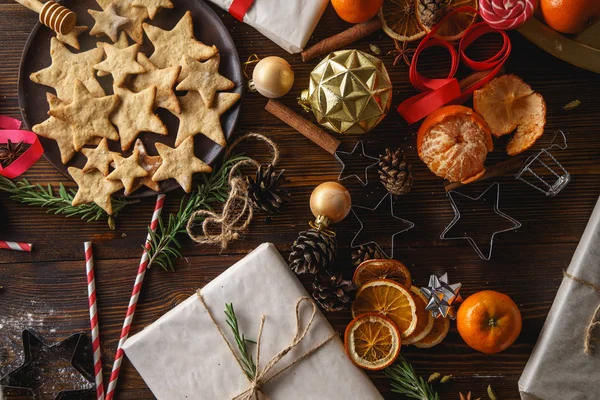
x: 404, y: 380
x: 245, y: 357
x: 164, y: 246
x: 60, y: 203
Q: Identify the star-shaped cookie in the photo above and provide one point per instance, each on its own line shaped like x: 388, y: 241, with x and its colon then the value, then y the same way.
x: 171, y: 46
x: 152, y: 5
x: 55, y: 129
x: 72, y: 38
x: 119, y: 44
x: 204, y: 78
x: 127, y: 170
x: 94, y: 188
x: 136, y: 16
x: 164, y: 81
x: 87, y: 115
x: 150, y: 164
x: 179, y: 163
x: 196, y: 118
x: 66, y: 68
x: 98, y: 159
x: 135, y: 115
x: 107, y: 22
x: 120, y: 62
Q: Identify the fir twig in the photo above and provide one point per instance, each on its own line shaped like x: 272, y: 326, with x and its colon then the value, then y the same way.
x: 245, y: 357
x: 404, y: 380
x: 60, y: 203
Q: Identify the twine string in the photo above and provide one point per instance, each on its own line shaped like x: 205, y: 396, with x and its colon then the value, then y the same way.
x: 589, y: 340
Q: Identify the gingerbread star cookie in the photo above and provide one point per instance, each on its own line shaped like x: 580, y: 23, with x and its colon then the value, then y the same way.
x: 87, y: 115
x: 196, y: 118
x: 152, y: 5
x: 66, y: 68
x: 120, y: 62
x: 135, y: 15
x: 204, y: 78
x: 135, y: 115
x: 94, y: 188
x: 55, y: 129
x: 150, y: 164
x: 72, y: 38
x: 171, y: 46
x: 107, y: 22
x: 179, y: 163
x: 127, y: 170
x: 164, y: 81
x: 99, y: 158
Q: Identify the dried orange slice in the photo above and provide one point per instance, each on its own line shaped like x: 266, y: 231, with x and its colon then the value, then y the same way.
x: 431, y: 12
x: 372, y: 341
x: 399, y: 20
x: 425, y: 320
x: 382, y: 269
x: 390, y: 299
x: 440, y: 329
x: 453, y: 142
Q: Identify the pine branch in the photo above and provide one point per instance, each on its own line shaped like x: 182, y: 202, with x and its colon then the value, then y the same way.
x: 245, y: 357
x: 404, y: 380
x: 60, y: 203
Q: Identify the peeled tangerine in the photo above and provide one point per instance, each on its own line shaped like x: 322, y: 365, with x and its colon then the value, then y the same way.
x: 453, y: 142
x: 507, y: 103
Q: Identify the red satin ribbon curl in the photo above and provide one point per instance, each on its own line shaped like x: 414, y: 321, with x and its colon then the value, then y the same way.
x: 10, y: 130
x: 239, y: 8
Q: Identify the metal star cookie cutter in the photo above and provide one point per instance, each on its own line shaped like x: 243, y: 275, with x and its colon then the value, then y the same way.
x: 457, y: 216
x: 409, y: 225
x: 69, y: 356
x: 338, y: 155
x: 543, y: 167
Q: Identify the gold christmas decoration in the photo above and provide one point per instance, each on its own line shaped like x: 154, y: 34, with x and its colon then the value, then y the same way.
x: 350, y: 92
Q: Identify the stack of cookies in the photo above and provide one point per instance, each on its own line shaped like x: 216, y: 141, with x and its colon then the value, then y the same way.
x: 83, y: 118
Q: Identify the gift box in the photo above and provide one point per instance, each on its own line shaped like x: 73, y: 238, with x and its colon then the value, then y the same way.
x: 559, y: 366
x: 183, y: 355
x: 288, y: 23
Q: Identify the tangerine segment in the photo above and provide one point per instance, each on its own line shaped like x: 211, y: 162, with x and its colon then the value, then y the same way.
x: 399, y: 20
x: 425, y: 320
x: 532, y: 124
x: 431, y: 12
x: 440, y: 329
x: 390, y: 299
x: 372, y: 341
x: 453, y: 142
x: 382, y: 269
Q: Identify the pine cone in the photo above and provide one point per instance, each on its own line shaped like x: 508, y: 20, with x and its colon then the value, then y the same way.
x: 266, y: 192
x: 332, y: 292
x: 365, y: 252
x: 395, y: 173
x: 431, y: 11
x: 312, y: 252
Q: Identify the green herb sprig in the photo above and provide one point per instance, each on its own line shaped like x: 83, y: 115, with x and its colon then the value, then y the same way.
x: 404, y: 380
x: 241, y: 341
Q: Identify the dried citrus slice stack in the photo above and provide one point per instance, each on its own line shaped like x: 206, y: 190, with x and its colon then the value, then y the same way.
x: 425, y: 320
x: 382, y: 269
x: 507, y: 103
x: 453, y: 142
x: 399, y: 20
x: 431, y: 12
x: 372, y: 341
x: 390, y: 299
x: 440, y: 329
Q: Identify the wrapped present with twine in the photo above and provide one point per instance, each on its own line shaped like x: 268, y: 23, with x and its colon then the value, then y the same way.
x: 565, y: 363
x: 191, y: 352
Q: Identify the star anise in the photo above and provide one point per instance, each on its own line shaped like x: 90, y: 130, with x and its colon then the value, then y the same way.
x: 402, y: 52
x: 467, y: 397
x: 10, y: 152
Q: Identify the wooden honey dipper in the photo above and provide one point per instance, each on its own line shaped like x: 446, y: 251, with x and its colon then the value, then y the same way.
x: 56, y: 17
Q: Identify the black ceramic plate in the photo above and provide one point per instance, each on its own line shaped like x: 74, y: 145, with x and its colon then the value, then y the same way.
x: 208, y: 28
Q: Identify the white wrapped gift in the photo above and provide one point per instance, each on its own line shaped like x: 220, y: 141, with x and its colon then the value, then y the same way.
x: 183, y: 355
x: 288, y: 23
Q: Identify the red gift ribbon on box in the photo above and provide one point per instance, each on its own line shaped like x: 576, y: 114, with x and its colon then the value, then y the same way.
x: 10, y: 130
x: 439, y: 92
x: 239, y: 8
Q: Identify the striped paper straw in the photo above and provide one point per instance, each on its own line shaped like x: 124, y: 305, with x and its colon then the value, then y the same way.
x: 18, y: 246
x: 137, y: 286
x: 91, y: 281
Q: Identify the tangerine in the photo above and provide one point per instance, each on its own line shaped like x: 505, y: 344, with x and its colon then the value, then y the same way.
x: 356, y: 11
x: 570, y: 16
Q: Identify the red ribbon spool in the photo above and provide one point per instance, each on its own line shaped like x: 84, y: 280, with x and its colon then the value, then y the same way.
x: 10, y: 130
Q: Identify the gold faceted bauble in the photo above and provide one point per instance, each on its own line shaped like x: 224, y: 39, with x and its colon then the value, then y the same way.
x: 350, y: 91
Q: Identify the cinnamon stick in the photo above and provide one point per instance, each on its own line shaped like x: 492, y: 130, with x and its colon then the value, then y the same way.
x: 304, y: 126
x: 492, y: 172
x: 342, y: 39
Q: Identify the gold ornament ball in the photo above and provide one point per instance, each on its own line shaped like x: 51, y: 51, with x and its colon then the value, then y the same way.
x: 350, y: 91
x: 273, y: 77
x: 331, y: 200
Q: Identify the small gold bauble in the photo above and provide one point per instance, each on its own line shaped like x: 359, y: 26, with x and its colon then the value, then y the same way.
x: 273, y: 77
x: 330, y: 202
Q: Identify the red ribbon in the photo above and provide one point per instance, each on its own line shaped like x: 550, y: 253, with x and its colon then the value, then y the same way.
x: 10, y: 130
x: 239, y: 8
x: 439, y: 92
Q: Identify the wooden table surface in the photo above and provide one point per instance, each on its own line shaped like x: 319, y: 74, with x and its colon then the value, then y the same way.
x: 46, y: 289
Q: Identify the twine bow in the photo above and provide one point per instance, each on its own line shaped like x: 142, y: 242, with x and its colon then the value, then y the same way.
x: 589, y: 340
x: 262, y: 376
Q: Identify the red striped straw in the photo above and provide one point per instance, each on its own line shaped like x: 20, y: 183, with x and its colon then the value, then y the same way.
x: 91, y: 281
x: 137, y: 286
x: 18, y: 246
